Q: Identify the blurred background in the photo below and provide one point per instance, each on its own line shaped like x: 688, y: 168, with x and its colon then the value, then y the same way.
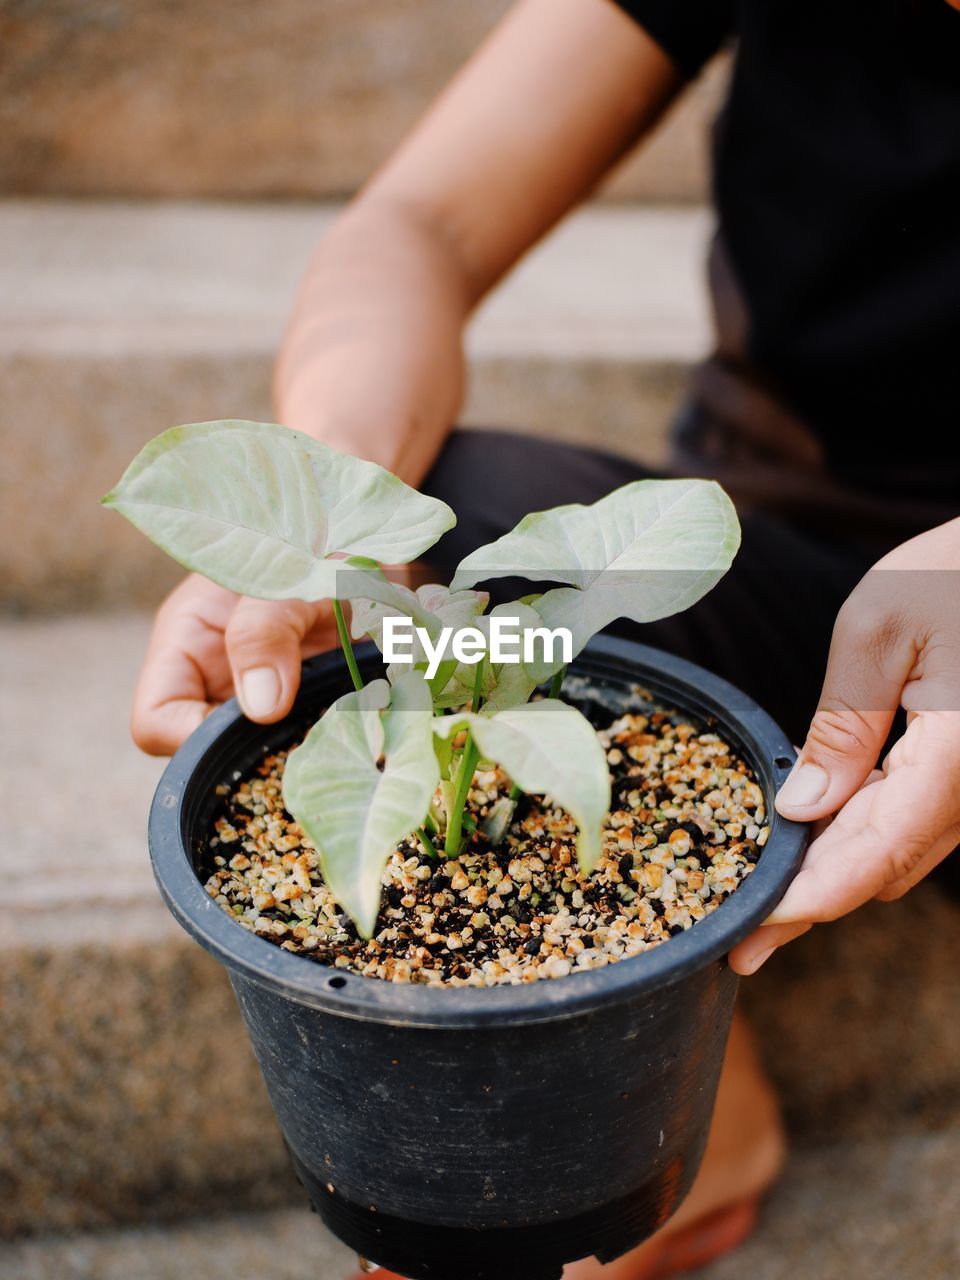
x: 165, y: 170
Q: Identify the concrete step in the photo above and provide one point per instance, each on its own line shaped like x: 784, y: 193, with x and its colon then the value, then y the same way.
x: 296, y: 98
x: 118, y: 1038
x: 119, y: 320
x: 127, y: 1091
x: 882, y: 1210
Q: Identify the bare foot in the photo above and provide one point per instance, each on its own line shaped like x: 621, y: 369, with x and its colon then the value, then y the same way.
x: 745, y: 1152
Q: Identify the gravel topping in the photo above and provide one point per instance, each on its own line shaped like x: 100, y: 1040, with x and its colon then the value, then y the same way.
x: 687, y: 825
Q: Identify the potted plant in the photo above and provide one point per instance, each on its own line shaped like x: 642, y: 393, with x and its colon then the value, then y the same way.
x: 507, y: 1057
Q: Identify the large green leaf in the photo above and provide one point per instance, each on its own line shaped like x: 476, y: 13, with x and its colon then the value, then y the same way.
x: 362, y: 780
x: 270, y: 512
x: 645, y: 551
x: 547, y: 748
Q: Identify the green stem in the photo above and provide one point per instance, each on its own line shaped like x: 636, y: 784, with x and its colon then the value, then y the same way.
x: 427, y: 843
x: 477, y: 702
x: 453, y: 840
x: 468, y: 764
x: 556, y: 684
x: 347, y: 647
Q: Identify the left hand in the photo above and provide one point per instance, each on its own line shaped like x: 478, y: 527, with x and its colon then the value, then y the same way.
x: 896, y: 643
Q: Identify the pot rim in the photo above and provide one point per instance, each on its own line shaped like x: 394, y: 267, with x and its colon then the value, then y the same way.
x: 348, y: 994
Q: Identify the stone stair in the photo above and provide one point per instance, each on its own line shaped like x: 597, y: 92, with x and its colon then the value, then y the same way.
x: 881, y: 1210
x: 120, y: 319
x: 292, y: 98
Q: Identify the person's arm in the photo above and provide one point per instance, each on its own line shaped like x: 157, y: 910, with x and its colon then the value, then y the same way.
x: 372, y: 362
x: 896, y: 644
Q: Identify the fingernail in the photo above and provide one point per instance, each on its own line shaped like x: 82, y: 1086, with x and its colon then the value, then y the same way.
x: 805, y: 786
x: 760, y: 958
x: 259, y: 691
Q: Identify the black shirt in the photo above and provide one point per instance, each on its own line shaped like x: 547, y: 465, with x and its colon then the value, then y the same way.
x: 836, y: 277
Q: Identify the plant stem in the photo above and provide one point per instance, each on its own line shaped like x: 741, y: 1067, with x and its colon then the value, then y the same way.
x: 347, y: 647
x: 465, y: 770
x: 478, y: 685
x: 556, y: 684
x: 515, y: 792
x: 468, y: 763
x: 427, y: 843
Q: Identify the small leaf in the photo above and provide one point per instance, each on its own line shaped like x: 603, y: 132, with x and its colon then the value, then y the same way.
x: 547, y: 748
x: 645, y: 551
x: 431, y: 607
x: 505, y: 684
x: 361, y: 782
x: 443, y: 748
x: 512, y: 683
x: 497, y: 822
x: 270, y: 512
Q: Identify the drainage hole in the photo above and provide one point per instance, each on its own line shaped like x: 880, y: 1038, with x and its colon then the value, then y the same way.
x: 337, y: 983
x: 783, y: 762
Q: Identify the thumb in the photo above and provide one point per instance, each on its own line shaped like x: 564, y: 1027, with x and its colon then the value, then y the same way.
x: 264, y: 648
x: 868, y: 665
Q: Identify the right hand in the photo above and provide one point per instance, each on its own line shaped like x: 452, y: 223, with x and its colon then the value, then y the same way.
x: 207, y: 644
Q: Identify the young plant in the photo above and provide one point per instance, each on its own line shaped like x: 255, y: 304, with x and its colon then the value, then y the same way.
x: 268, y: 512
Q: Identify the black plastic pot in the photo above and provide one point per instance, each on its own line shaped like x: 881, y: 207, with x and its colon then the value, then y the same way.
x: 490, y: 1134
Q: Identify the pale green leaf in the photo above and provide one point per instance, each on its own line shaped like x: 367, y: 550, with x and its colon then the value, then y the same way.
x: 547, y: 748
x: 645, y: 551
x: 431, y: 607
x: 505, y: 684
x: 512, y: 683
x: 362, y: 780
x: 270, y: 512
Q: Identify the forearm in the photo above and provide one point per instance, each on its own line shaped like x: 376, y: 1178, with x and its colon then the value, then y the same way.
x: 372, y: 361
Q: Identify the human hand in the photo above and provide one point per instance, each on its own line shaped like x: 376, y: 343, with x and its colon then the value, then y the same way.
x: 896, y: 643
x: 208, y: 643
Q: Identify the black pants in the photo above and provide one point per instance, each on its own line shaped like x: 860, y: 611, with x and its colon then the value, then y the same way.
x: 766, y: 627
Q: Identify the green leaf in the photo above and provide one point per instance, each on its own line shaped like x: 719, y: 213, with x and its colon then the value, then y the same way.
x: 362, y: 780
x: 512, y: 683
x: 547, y: 748
x: 505, y: 684
x: 645, y: 551
x: 432, y: 607
x: 270, y: 512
